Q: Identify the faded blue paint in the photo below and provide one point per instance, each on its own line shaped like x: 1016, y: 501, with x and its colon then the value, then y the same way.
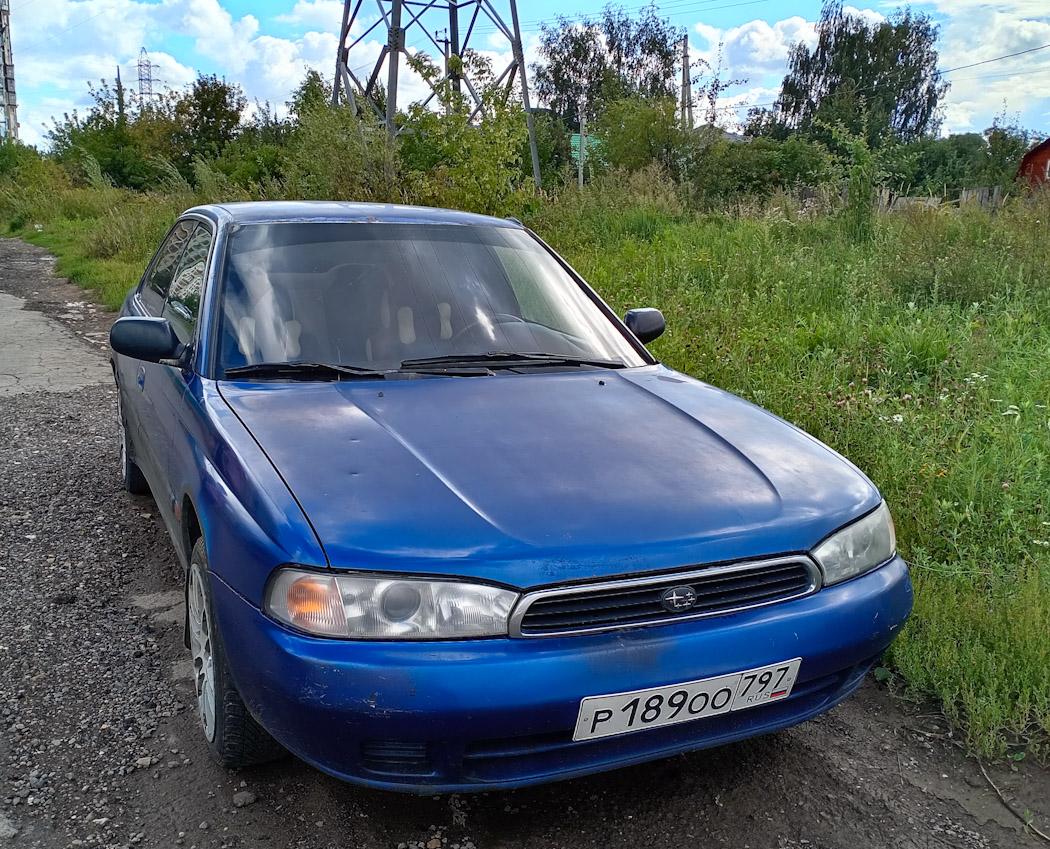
x: 520, y: 479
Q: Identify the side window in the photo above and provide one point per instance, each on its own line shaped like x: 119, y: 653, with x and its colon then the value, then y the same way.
x: 187, y: 284
x: 155, y: 287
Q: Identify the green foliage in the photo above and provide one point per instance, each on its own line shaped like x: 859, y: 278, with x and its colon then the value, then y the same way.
x: 334, y: 155
x: 16, y: 158
x: 588, y: 63
x: 947, y: 165
x: 862, y: 168
x: 477, y: 165
x: 104, y: 135
x: 554, y: 146
x: 207, y: 117
x: 312, y: 94
x: 449, y: 161
x: 918, y: 350
x: 880, y: 81
x: 635, y: 131
x: 936, y: 387
x: 729, y: 171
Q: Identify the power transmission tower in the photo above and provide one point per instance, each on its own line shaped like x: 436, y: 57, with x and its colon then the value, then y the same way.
x: 146, y: 68
x: 8, y: 101
x: 398, y: 20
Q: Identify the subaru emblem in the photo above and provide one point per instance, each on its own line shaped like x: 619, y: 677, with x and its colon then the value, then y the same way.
x: 678, y: 599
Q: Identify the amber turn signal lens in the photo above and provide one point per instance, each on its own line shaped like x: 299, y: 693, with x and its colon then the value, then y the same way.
x: 314, y: 605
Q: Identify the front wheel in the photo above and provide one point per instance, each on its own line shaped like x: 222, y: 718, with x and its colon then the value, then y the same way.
x: 234, y: 738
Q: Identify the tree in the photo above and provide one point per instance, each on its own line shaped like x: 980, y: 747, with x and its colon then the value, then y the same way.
x: 636, y: 131
x: 589, y: 63
x: 642, y: 51
x: 105, y: 136
x: 208, y: 116
x: 879, y: 80
x: 313, y: 93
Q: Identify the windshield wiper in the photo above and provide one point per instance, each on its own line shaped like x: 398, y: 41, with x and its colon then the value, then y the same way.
x: 305, y: 371
x: 510, y: 359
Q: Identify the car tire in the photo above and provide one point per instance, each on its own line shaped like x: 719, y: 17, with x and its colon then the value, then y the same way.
x: 233, y: 736
x: 134, y: 481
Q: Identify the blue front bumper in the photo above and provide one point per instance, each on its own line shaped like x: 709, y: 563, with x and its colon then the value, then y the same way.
x: 482, y: 714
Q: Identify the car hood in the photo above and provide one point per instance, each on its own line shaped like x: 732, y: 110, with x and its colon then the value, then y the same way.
x: 535, y: 478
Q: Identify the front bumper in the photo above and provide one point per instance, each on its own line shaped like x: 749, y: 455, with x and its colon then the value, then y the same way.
x: 497, y: 713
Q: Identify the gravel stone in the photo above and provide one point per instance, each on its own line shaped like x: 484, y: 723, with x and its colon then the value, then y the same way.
x: 90, y: 681
x: 243, y: 798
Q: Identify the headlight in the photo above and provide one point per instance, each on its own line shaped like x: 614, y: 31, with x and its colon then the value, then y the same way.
x: 384, y: 608
x: 857, y: 548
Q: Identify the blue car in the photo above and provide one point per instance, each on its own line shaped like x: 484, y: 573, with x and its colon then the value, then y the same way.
x: 447, y: 525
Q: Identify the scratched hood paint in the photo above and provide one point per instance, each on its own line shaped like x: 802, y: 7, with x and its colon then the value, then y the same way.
x: 535, y: 478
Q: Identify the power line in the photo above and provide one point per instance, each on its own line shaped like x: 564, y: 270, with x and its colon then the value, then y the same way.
x: 996, y: 59
x: 687, y: 7
x: 1002, y: 76
x: 67, y: 29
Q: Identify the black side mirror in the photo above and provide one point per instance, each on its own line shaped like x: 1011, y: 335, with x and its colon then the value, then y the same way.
x: 150, y: 339
x: 646, y: 323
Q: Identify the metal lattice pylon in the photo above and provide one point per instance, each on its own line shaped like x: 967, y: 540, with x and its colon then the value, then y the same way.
x: 8, y: 101
x: 146, y: 80
x: 399, y: 18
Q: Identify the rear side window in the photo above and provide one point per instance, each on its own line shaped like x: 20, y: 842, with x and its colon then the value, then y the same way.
x: 155, y: 287
x: 187, y: 284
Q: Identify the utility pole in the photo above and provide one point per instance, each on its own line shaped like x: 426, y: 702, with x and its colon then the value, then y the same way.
x: 441, y: 36
x: 120, y: 100
x: 687, y: 87
x: 8, y: 101
x: 583, y: 144
x: 402, y: 19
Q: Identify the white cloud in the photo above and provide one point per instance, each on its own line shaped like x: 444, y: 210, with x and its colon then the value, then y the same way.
x: 323, y: 14
x: 755, y: 47
x: 219, y: 36
x: 977, y: 32
x: 969, y: 31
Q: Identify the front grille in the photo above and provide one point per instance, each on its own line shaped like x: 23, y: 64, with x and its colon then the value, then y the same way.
x: 634, y: 602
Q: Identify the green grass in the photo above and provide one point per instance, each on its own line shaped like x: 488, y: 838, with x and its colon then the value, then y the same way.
x: 922, y: 355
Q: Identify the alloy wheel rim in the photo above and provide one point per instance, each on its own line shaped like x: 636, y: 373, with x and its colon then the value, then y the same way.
x: 201, y: 649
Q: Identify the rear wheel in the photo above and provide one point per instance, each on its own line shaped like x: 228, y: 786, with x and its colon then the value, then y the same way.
x: 234, y: 738
x: 134, y: 481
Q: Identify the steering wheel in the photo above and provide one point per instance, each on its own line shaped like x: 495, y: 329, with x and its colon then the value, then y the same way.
x: 500, y: 317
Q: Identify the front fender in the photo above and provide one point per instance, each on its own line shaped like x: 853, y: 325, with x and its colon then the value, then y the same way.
x: 250, y: 521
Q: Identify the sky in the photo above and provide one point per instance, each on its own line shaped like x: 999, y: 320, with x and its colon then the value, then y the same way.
x: 266, y: 46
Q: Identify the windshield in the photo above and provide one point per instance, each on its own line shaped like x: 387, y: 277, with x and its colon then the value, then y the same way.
x: 375, y: 295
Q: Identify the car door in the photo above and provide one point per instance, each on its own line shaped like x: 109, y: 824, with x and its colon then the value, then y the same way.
x: 181, y: 309
x: 135, y: 378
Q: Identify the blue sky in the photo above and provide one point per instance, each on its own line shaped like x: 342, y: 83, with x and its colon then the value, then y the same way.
x: 266, y: 46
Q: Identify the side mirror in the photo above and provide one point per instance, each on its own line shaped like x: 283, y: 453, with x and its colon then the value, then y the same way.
x: 150, y: 339
x: 646, y: 323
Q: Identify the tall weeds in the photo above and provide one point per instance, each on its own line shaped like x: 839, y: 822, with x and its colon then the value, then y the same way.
x: 917, y: 348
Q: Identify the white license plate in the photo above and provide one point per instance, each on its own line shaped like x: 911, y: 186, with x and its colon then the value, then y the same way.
x: 622, y: 713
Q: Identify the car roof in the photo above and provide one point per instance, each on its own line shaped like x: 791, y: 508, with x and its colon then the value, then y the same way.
x: 264, y: 212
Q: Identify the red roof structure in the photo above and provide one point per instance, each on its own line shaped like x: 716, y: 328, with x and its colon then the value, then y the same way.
x: 1035, y: 167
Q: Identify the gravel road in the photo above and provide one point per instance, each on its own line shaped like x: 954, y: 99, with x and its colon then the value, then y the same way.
x: 98, y: 737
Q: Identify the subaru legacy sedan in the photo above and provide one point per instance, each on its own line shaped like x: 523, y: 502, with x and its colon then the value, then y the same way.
x: 446, y: 523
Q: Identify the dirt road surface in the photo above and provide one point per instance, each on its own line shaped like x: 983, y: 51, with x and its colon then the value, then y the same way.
x: 99, y: 744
